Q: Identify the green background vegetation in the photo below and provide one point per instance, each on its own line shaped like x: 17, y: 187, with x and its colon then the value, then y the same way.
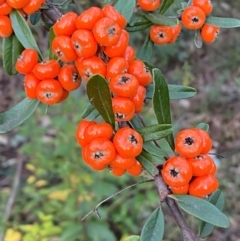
x: 56, y: 189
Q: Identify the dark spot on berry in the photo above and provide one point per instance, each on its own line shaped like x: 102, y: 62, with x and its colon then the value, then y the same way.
x: 133, y: 139
x: 173, y: 172
x: 189, y: 141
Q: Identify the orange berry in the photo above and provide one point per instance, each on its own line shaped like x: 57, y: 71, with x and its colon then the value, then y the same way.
x: 5, y: 26
x: 30, y: 85
x: 84, y: 43
x: 207, y: 142
x: 177, y: 172
x: 110, y: 12
x: 26, y: 61
x: 188, y: 143
x: 49, y: 91
x: 117, y: 171
x: 136, y: 169
x: 140, y: 71
x: 69, y: 77
x: 149, y: 5
x: 119, y: 48
x: 5, y: 9
x: 88, y: 18
x: 33, y: 6
x: 175, y: 33
x: 115, y: 66
x: 97, y: 130
x: 123, y: 108
x: 90, y: 66
x: 128, y: 142
x: 138, y: 98
x: 65, y: 25
x: 129, y: 54
x: 64, y: 96
x: 47, y: 69
x: 63, y: 48
x: 193, y: 17
x: 160, y: 34
x: 123, y: 162
x: 124, y: 85
x: 106, y: 32
x: 205, y: 5
x: 17, y: 4
x: 203, y: 186
x: 80, y: 137
x: 209, y: 33
x: 180, y: 190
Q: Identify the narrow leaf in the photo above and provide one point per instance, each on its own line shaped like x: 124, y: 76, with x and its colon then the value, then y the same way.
x: 154, y: 150
x: 218, y: 200
x: 34, y: 18
x: 160, y: 19
x: 223, y: 22
x: 161, y: 102
x: 202, y: 209
x: 12, y: 48
x: 153, y: 159
x: 138, y: 27
x: 203, y: 126
x: 176, y: 92
x: 165, y: 5
x: 51, y: 55
x: 146, y: 51
x: 100, y: 97
x: 148, y: 166
x: 153, y: 229
x: 138, y: 20
x: 155, y: 132
x: 135, y: 123
x: 15, y: 116
x: 132, y: 238
x: 90, y: 113
x: 22, y: 31
x: 126, y: 8
x: 198, y: 39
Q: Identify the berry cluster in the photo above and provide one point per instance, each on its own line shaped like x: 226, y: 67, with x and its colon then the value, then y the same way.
x: 47, y: 80
x: 97, y: 43
x: 101, y: 148
x: 193, y: 172
x: 194, y: 17
x: 23, y: 6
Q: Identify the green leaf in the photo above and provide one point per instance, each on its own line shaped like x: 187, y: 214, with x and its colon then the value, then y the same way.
x: 11, y: 48
x: 132, y: 238
x: 90, y: 113
x: 135, y: 123
x: 160, y: 19
x: 34, y: 18
x: 198, y: 39
x: 176, y: 92
x: 218, y: 200
x: 17, y: 115
x: 223, y: 22
x: 146, y: 51
x: 22, y: 31
x: 203, y: 126
x: 138, y: 27
x: 161, y: 102
x: 148, y: 166
x: 153, y: 229
x: 126, y: 8
x: 100, y: 97
x: 71, y: 232
x: 51, y: 55
x: 153, y: 159
x: 202, y: 209
x: 165, y: 5
x: 137, y: 23
x: 154, y: 150
x: 155, y: 132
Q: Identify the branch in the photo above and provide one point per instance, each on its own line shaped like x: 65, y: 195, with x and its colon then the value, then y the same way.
x: 187, y: 233
x: 115, y: 194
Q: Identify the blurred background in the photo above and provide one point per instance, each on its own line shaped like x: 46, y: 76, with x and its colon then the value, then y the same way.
x: 45, y: 188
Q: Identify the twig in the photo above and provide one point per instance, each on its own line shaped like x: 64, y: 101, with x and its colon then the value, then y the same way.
x: 115, y: 194
x: 12, y: 196
x: 187, y: 233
